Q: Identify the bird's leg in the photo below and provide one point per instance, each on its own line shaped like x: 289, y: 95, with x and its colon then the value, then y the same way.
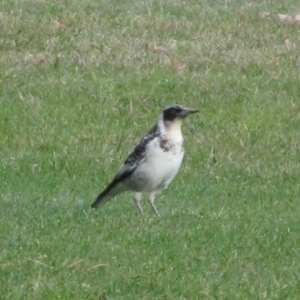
x: 151, y: 201
x: 137, y: 200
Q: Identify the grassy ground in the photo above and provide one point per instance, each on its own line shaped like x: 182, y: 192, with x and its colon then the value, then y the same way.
x: 73, y: 73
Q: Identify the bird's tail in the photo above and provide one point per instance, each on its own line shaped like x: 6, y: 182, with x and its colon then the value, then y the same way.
x: 112, y: 190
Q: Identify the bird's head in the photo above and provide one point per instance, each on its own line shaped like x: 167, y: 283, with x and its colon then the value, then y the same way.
x: 176, y: 112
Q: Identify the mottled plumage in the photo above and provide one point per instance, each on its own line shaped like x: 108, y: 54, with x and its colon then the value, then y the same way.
x: 154, y: 162
x: 139, y: 151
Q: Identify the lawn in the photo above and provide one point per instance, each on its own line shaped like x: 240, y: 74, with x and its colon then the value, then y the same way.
x: 82, y: 81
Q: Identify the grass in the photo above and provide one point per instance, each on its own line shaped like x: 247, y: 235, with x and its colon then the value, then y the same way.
x: 73, y: 74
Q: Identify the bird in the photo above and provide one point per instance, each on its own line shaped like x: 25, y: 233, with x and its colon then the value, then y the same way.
x: 153, y: 163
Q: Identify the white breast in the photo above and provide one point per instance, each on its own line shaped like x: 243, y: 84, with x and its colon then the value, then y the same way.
x: 158, y: 168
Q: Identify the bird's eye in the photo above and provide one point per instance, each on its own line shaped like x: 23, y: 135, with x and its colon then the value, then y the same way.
x: 172, y: 113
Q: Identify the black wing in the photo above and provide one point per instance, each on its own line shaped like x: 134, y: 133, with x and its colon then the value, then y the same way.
x: 137, y: 155
x: 131, y: 163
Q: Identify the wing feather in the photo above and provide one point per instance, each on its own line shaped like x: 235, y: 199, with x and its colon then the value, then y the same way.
x: 134, y: 159
x: 137, y: 156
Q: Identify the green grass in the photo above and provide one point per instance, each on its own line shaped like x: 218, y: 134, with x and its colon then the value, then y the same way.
x: 73, y: 73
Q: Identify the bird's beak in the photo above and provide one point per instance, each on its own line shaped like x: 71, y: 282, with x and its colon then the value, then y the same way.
x: 187, y: 111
